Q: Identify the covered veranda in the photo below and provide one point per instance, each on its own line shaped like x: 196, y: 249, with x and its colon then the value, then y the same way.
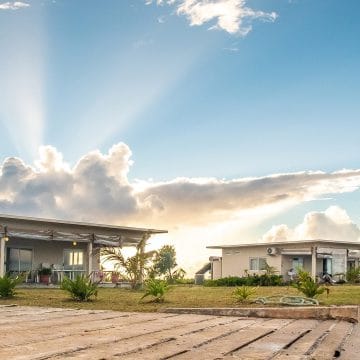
x: 28, y: 245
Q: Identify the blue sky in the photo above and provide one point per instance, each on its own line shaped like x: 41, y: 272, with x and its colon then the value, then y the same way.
x: 189, y: 100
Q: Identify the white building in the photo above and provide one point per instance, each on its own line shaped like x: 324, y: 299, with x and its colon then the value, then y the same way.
x: 69, y: 248
x: 315, y: 256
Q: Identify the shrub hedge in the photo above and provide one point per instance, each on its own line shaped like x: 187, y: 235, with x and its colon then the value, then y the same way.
x: 254, y: 280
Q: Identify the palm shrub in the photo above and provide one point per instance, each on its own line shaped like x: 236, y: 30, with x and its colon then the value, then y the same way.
x: 155, y: 288
x: 307, y: 285
x: 7, y: 286
x: 80, y: 289
x: 242, y: 293
x: 134, y: 268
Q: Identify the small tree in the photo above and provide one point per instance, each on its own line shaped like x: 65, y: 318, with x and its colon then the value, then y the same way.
x: 307, y: 285
x: 165, y: 264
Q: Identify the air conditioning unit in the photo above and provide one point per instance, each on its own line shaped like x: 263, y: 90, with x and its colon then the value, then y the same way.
x: 272, y: 251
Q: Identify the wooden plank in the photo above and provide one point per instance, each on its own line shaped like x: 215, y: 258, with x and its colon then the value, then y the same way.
x: 269, y: 346
x: 133, y: 347
x: 43, y: 349
x: 333, y: 341
x: 76, y: 318
x: 188, y: 340
x: 304, y: 345
x: 351, y: 346
x: 68, y: 327
x: 223, y: 346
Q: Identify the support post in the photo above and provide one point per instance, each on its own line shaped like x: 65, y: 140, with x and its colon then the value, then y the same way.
x: 313, y: 262
x: 90, y: 255
x: 2, y: 256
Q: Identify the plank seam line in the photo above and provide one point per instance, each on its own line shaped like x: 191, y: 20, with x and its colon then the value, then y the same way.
x: 338, y: 350
x: 220, y: 336
x: 249, y: 342
x: 319, y: 340
x: 149, y: 346
x: 208, y: 327
x: 174, y: 355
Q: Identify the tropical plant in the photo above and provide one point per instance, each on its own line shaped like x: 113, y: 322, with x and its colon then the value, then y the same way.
x: 7, y: 286
x: 307, y: 285
x: 133, y: 268
x: 242, y: 293
x: 80, y: 289
x: 155, y: 288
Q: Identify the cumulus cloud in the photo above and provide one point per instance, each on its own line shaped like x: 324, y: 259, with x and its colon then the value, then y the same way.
x: 13, y: 5
x: 97, y: 188
x: 332, y: 224
x: 232, y: 16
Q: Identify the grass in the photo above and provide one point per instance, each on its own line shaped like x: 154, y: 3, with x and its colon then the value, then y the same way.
x: 178, y: 296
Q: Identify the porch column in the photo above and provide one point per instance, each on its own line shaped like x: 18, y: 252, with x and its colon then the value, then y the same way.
x: 90, y: 256
x: 2, y: 256
x: 313, y: 262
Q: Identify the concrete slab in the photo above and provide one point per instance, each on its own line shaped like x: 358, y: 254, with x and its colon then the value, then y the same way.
x: 348, y: 313
x: 48, y: 333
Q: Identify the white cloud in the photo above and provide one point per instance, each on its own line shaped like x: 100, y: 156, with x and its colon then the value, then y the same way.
x: 97, y: 188
x: 332, y: 224
x: 196, y: 211
x: 232, y: 16
x: 13, y: 5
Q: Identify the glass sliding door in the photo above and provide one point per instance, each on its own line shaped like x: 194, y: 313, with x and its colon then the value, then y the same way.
x: 18, y: 261
x: 73, y: 263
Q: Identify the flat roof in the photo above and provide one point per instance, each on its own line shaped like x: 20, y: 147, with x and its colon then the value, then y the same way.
x: 289, y: 242
x: 54, y: 229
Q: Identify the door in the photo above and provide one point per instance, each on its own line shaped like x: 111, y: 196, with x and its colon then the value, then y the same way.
x: 73, y: 262
x: 18, y: 260
x: 327, y: 266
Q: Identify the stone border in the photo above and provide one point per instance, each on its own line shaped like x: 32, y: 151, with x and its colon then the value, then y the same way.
x: 346, y: 313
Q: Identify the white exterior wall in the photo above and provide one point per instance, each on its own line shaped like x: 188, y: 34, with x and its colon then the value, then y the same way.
x: 216, y: 270
x: 236, y: 260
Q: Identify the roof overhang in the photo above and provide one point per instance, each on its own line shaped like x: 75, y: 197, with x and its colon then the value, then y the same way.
x: 60, y: 230
x: 316, y: 242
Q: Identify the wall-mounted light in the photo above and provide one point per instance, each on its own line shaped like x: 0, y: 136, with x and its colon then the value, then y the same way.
x: 74, y: 243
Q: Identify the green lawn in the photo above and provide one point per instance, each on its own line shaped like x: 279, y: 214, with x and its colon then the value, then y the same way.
x: 178, y: 296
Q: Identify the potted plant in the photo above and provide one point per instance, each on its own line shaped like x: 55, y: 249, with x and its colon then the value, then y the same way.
x: 45, y: 274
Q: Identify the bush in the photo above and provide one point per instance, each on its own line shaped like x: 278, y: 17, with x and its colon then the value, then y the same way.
x: 185, y: 281
x: 7, y: 286
x: 80, y: 289
x: 155, y: 288
x: 353, y: 275
x: 307, y: 285
x: 242, y: 293
x: 254, y: 280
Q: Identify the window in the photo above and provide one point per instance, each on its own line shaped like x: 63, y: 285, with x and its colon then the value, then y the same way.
x: 257, y: 263
x: 73, y: 262
x: 18, y: 260
x: 73, y: 259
